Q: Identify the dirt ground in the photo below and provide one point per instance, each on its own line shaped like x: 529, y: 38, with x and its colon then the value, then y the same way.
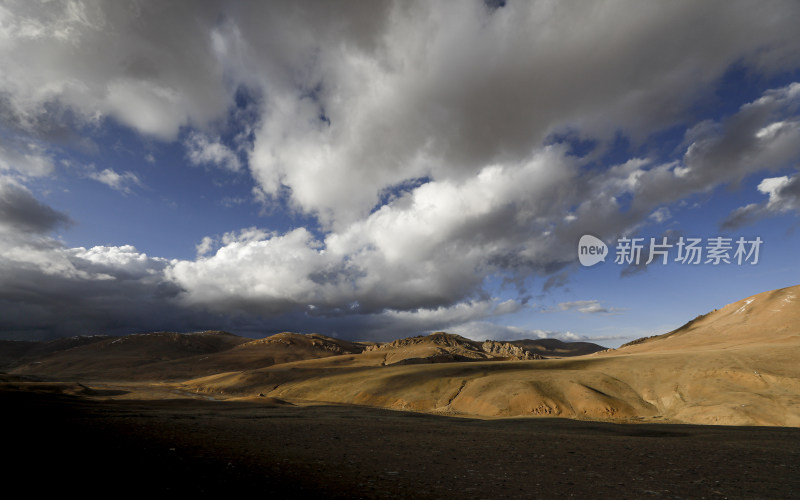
x: 58, y: 444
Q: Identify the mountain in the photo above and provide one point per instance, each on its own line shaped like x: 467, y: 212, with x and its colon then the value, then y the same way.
x: 767, y: 319
x: 276, y: 349
x: 176, y: 356
x: 129, y: 356
x: 737, y: 365
x: 165, y: 355
x: 442, y: 347
x: 13, y: 352
x: 734, y: 366
x: 553, y: 348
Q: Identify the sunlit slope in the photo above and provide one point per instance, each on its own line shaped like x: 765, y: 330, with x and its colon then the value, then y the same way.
x: 739, y: 365
x: 174, y: 356
x: 767, y: 319
x: 441, y: 347
x: 545, y: 388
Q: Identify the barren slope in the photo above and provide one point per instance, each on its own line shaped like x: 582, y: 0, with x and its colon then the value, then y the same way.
x: 130, y: 356
x: 442, y: 347
x: 737, y: 366
x: 554, y: 348
x: 168, y: 356
x: 767, y: 319
x: 276, y: 349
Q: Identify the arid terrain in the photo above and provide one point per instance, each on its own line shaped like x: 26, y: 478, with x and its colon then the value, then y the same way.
x: 212, y: 412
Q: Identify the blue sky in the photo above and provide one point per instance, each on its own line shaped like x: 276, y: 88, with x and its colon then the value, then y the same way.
x: 374, y: 171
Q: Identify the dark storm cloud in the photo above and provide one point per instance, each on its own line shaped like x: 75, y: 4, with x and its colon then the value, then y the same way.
x: 20, y: 211
x: 48, y: 291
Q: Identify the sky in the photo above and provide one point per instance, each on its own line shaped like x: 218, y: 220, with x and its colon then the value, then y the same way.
x: 377, y: 170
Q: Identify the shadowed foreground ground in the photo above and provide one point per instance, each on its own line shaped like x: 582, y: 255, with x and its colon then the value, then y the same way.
x: 59, y: 444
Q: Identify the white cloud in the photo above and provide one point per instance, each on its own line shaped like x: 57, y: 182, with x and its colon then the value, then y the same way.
x: 660, y: 215
x: 269, y: 273
x: 772, y: 185
x: 120, y: 182
x: 204, y: 151
x: 121, y: 259
x: 149, y: 107
x: 484, y: 330
x: 588, y: 307
x: 133, y: 62
x: 783, y: 196
x: 30, y: 160
x: 444, y: 101
x: 205, y: 246
x: 717, y: 153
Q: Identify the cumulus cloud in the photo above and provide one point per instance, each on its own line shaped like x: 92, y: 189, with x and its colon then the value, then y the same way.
x: 422, y: 137
x: 135, y: 63
x: 118, y: 261
x: 429, y: 248
x: 445, y: 101
x: 256, y: 271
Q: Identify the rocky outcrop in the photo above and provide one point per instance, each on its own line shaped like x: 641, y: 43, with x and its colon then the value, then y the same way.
x: 312, y: 340
x: 438, y: 339
x: 463, y: 348
x: 506, y: 350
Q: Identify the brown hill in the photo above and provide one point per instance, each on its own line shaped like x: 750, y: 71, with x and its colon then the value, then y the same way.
x: 441, y: 347
x: 168, y: 355
x: 11, y: 351
x: 173, y: 356
x: 554, y: 348
x: 738, y: 366
x: 277, y: 349
x: 16, y: 352
x: 767, y: 319
x: 129, y: 356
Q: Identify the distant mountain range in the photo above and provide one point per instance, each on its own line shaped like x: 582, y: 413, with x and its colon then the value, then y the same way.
x: 176, y: 356
x: 738, y: 365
